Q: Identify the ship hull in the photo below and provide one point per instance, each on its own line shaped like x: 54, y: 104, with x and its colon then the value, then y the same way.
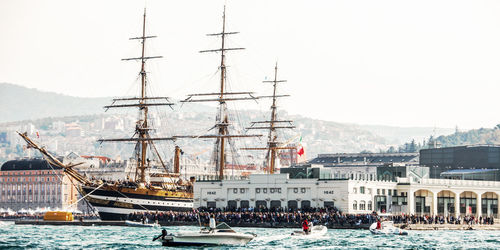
x: 117, y: 205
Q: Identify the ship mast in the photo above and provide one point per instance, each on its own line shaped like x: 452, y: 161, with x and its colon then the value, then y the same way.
x: 222, y: 120
x: 143, y: 139
x: 272, y: 143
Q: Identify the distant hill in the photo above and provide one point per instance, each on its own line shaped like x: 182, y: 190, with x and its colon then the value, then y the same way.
x: 20, y: 104
x: 474, y: 136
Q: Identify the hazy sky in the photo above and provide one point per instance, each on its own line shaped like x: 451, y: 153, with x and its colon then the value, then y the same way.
x: 403, y: 63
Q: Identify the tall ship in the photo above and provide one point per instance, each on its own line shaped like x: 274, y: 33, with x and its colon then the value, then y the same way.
x: 146, y: 191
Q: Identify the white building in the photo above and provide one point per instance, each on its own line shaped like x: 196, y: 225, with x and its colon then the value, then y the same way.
x: 359, y: 196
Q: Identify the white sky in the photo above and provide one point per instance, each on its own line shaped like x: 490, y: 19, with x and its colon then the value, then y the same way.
x: 402, y: 63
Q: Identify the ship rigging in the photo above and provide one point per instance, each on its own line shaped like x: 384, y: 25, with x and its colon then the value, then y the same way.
x: 147, y: 191
x: 222, y: 123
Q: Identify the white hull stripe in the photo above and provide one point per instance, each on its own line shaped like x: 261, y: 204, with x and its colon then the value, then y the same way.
x: 115, y: 210
x: 145, y: 202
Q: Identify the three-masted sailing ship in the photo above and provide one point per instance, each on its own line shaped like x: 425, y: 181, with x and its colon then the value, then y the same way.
x: 167, y: 191
x: 147, y: 192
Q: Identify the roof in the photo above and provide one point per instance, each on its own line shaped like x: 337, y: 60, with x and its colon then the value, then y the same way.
x: 468, y: 171
x: 31, y: 164
x: 374, y: 158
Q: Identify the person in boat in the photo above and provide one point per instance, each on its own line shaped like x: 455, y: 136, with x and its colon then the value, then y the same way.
x: 379, y: 225
x: 212, y: 223
x: 162, y: 235
x: 305, y: 226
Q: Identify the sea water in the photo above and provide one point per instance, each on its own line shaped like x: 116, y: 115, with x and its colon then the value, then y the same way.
x: 113, y: 237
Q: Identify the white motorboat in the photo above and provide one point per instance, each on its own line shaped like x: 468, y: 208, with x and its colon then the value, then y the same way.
x: 221, y: 235
x: 387, y: 227
x: 317, y: 230
x: 139, y: 224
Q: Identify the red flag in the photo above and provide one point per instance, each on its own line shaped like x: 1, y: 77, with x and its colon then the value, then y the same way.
x: 300, y: 151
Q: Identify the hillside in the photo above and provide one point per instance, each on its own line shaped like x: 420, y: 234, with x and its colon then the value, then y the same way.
x: 475, y: 136
x: 44, y: 108
x: 20, y: 103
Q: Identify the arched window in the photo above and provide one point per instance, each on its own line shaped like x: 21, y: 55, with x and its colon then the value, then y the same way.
x: 355, y: 205
x: 370, y: 205
x: 362, y: 205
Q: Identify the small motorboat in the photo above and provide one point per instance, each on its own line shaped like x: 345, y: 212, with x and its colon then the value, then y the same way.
x: 387, y: 228
x: 317, y: 230
x: 220, y: 235
x: 140, y: 224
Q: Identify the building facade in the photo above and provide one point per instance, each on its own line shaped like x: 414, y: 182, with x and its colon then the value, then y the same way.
x: 353, y: 195
x: 441, y: 160
x: 32, y: 184
x: 373, y: 166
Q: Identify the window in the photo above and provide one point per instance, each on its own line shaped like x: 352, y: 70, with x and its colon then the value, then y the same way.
x: 232, y: 204
x: 361, y: 190
x: 383, y: 191
x: 328, y: 204
x: 257, y: 190
x: 355, y: 205
x: 272, y: 190
x: 389, y: 191
x: 275, y: 204
x: 378, y: 191
x: 303, y: 190
x: 362, y: 205
x: 244, y: 204
x: 242, y: 190
x: 264, y: 190
x: 305, y: 204
x: 292, y: 205
x: 395, y: 192
x: 235, y: 190
x: 260, y: 204
x: 295, y: 190
x: 370, y: 205
x: 279, y: 190
x: 354, y: 190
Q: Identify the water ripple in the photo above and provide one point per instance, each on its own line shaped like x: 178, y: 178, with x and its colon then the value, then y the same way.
x: 108, y: 237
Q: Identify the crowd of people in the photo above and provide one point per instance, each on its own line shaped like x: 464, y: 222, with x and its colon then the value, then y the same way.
x: 450, y: 219
x: 330, y: 217
x: 278, y: 218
